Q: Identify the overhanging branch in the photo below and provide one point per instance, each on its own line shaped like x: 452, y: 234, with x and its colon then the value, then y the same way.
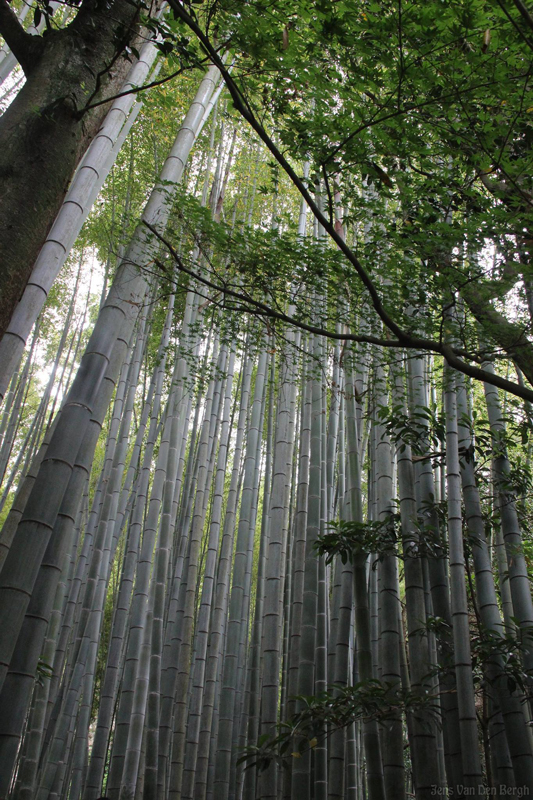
x: 257, y: 307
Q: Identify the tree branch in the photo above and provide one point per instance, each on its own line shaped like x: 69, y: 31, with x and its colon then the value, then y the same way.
x: 524, y: 12
x: 135, y: 90
x: 509, y: 335
x: 24, y: 46
x: 263, y: 309
x: 515, y: 25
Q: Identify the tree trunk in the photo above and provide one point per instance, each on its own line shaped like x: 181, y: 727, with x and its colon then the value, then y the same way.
x: 43, y: 134
x: 77, y: 204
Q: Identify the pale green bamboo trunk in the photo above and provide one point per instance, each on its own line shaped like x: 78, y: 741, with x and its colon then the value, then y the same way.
x: 515, y: 730
x: 460, y: 624
x: 272, y: 622
x: 236, y: 604
x: 423, y: 723
x: 209, y: 720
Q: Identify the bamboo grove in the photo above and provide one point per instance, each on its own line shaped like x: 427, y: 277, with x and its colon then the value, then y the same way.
x: 266, y: 422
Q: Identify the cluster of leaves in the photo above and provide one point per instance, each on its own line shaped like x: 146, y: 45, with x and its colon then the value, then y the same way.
x: 422, y: 430
x: 44, y: 672
x: 43, y: 10
x: 334, y: 709
x: 172, y: 41
x: 351, y: 539
x: 504, y: 651
x: 431, y: 522
x: 482, y: 445
x: 259, y: 266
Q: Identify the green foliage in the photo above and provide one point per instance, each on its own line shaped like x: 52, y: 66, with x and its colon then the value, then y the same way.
x: 44, y: 672
x: 351, y: 539
x: 421, y: 429
x: 333, y: 709
x: 420, y: 116
x: 503, y: 650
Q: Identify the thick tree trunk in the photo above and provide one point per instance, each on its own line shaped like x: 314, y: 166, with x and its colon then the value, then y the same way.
x: 43, y: 134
